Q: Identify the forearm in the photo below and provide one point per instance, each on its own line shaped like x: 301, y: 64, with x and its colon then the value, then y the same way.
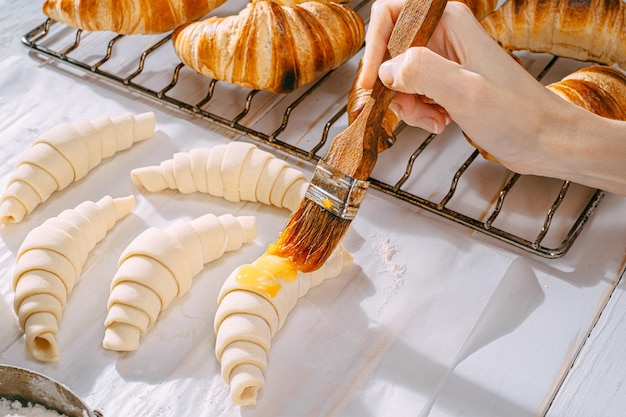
x: 495, y: 101
x: 586, y: 149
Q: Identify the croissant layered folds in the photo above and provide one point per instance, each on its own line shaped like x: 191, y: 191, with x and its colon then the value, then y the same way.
x: 480, y: 8
x: 159, y: 265
x: 66, y: 153
x: 128, y: 16
x: 253, y: 304
x: 49, y: 263
x: 599, y: 89
x: 269, y: 46
x: 585, y: 30
x: 236, y: 171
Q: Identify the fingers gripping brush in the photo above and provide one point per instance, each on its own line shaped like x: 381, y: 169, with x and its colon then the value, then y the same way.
x: 340, y: 181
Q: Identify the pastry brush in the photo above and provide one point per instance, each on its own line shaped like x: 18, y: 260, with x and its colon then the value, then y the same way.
x: 339, y: 182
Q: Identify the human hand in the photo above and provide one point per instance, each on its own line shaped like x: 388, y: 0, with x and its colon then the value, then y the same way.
x: 462, y: 75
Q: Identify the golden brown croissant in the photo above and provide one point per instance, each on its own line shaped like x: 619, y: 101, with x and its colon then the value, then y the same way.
x: 272, y: 47
x: 585, y: 30
x: 598, y: 88
x: 128, y: 16
x: 480, y: 8
x: 358, y: 96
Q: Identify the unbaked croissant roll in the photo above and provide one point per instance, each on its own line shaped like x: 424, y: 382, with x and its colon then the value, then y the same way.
x: 65, y: 154
x: 50, y: 261
x: 587, y: 30
x: 597, y: 88
x: 128, y: 16
x: 159, y: 265
x: 272, y: 47
x: 358, y: 96
x: 253, y: 304
x: 236, y: 171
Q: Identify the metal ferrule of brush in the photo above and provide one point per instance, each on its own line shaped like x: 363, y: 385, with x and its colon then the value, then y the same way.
x: 335, y: 191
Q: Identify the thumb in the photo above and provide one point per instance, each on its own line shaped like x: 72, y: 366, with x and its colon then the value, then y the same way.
x: 422, y: 71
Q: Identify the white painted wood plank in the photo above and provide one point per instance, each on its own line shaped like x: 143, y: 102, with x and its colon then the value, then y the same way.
x: 595, y: 386
x: 518, y: 372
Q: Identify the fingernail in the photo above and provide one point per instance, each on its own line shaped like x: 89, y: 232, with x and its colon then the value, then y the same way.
x: 447, y: 120
x: 385, y: 73
x: 430, y: 125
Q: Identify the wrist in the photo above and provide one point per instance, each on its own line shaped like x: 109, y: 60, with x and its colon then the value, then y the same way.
x: 561, y: 140
x: 584, y: 148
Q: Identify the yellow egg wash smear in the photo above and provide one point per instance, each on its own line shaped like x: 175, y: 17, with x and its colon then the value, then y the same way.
x: 265, y: 275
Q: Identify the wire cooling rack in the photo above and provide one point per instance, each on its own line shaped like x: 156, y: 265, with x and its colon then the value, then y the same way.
x: 540, y: 215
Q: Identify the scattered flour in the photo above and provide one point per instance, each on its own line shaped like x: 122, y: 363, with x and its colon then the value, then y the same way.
x: 13, y: 408
x: 385, y: 250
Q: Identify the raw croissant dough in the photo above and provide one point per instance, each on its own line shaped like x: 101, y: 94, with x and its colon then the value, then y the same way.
x: 236, y: 171
x: 65, y: 154
x: 253, y: 304
x: 159, y: 265
x: 50, y: 261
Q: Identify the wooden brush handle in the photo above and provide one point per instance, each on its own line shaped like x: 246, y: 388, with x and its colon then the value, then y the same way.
x: 354, y: 151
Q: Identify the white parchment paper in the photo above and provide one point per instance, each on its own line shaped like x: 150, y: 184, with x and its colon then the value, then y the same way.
x: 385, y: 338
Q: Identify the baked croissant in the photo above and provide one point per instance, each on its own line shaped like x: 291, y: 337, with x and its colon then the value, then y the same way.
x: 586, y: 30
x: 50, y: 261
x: 159, y: 265
x: 253, y: 304
x: 597, y: 88
x: 65, y: 154
x: 272, y: 47
x: 128, y: 16
x: 236, y: 171
x: 480, y: 8
x: 358, y: 96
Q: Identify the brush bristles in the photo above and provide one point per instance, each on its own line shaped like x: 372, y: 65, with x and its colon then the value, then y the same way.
x: 310, y: 236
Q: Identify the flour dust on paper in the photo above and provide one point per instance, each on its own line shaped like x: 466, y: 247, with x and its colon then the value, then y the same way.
x: 385, y: 250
